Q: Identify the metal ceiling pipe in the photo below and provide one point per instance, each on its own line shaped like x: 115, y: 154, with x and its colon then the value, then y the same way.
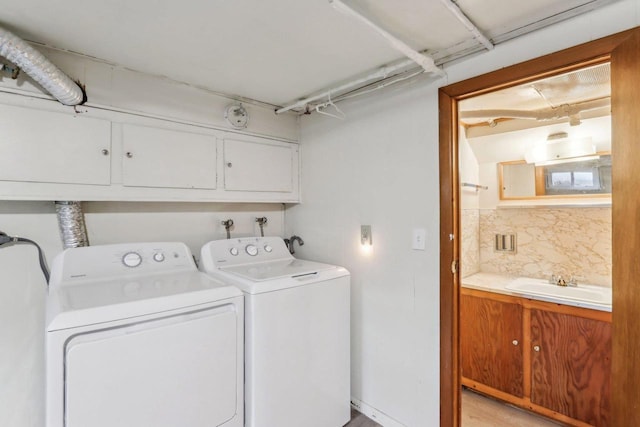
x: 458, y: 13
x: 541, y: 115
x: 40, y: 69
x: 382, y: 73
x: 424, y: 61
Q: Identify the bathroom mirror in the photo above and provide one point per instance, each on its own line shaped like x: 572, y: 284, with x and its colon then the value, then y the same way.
x: 587, y: 176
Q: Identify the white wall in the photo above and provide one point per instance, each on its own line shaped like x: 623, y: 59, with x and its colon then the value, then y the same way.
x: 469, y: 208
x: 380, y: 167
x: 377, y: 167
x: 113, y: 87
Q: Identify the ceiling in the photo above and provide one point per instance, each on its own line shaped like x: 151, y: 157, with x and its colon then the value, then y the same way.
x: 570, y: 95
x: 504, y: 125
x: 275, y: 51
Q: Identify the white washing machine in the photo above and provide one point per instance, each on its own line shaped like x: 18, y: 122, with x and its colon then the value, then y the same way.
x: 137, y: 337
x: 297, y: 338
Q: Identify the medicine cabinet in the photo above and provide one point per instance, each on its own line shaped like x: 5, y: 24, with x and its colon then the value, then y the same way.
x: 580, y: 177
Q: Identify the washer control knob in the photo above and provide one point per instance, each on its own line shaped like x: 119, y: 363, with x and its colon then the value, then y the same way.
x: 252, y: 250
x: 234, y: 251
x: 158, y: 257
x: 132, y: 259
x: 268, y: 248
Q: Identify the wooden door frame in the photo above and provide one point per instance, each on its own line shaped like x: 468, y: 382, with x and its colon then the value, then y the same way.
x: 590, y: 53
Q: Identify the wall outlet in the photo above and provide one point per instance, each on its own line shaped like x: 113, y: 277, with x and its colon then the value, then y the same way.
x: 419, y: 236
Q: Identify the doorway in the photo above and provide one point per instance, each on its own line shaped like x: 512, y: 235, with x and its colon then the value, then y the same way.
x: 623, y: 51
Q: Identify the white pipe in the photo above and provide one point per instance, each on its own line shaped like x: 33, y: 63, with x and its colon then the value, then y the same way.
x: 458, y: 13
x: 424, y: 61
x: 40, y: 69
x: 379, y: 74
x: 541, y: 115
x: 379, y: 86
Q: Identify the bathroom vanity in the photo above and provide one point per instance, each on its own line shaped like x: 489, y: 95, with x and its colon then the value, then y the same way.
x: 550, y: 358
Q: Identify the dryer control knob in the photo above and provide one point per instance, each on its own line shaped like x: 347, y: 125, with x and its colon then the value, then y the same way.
x: 158, y: 257
x: 132, y: 259
x: 268, y: 248
x: 252, y: 250
x: 233, y: 251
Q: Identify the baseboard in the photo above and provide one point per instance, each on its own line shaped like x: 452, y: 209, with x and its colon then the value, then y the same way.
x: 377, y: 416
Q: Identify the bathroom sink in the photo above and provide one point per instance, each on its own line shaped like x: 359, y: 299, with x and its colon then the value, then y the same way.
x: 581, y: 295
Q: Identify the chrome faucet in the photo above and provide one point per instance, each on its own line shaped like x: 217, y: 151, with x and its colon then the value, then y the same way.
x: 290, y: 242
x: 560, y: 281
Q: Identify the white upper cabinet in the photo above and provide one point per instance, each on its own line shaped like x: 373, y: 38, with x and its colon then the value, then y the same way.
x: 52, y: 147
x: 154, y: 157
x: 252, y: 164
x: 50, y: 152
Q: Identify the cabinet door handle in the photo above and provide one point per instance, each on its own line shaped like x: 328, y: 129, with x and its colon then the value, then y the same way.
x: 536, y: 348
x: 514, y: 342
x: 105, y: 152
x: 229, y: 164
x: 129, y: 154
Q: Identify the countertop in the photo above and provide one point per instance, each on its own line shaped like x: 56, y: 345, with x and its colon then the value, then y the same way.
x: 493, y: 282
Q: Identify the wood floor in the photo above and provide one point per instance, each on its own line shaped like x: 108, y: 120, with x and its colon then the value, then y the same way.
x: 480, y: 411
x: 477, y: 411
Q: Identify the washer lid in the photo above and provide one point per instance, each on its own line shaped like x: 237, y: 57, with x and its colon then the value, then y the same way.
x: 272, y: 270
x: 98, y: 301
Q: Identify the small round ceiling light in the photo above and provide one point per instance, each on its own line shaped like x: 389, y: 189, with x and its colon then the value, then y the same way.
x: 237, y: 116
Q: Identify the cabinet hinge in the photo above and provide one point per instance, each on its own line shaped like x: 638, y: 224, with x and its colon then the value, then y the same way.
x: 454, y: 266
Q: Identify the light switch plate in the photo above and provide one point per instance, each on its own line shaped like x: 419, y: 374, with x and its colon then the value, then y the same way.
x: 419, y: 237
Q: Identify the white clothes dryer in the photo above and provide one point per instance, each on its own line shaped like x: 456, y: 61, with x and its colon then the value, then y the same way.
x: 136, y: 336
x: 297, y: 332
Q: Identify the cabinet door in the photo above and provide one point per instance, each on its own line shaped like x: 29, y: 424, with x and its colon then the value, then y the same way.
x: 155, y: 157
x: 259, y: 165
x: 491, y: 343
x: 43, y: 146
x: 571, y: 366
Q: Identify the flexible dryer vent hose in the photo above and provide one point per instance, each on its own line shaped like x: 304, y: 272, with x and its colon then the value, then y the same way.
x: 71, y: 223
x: 40, y: 69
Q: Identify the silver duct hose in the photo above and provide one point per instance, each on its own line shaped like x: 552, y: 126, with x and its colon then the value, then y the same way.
x: 40, y: 69
x: 71, y: 223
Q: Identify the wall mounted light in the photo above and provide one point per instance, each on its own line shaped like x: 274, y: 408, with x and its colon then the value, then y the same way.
x: 366, y: 240
x: 365, y: 235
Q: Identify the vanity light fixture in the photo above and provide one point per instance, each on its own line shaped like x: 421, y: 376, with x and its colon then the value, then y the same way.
x: 559, y: 148
x: 569, y: 160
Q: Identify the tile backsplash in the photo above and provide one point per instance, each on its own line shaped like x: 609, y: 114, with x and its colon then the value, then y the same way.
x: 566, y: 241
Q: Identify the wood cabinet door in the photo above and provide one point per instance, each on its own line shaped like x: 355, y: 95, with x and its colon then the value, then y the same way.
x: 571, y: 366
x: 491, y: 343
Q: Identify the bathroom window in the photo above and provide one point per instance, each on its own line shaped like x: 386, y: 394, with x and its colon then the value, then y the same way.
x: 581, y: 177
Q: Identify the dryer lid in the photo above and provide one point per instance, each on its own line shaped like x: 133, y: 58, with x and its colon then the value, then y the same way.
x: 98, y: 301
